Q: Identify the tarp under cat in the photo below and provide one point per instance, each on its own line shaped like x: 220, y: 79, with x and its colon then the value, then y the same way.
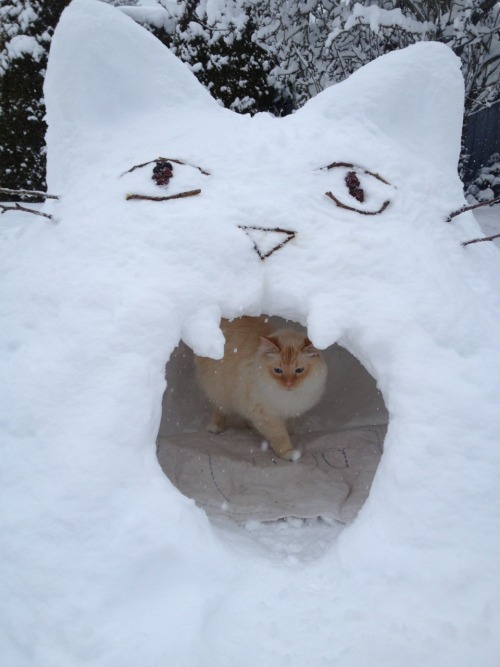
x: 104, y: 561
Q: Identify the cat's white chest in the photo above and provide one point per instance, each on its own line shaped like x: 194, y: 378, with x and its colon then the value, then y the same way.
x: 290, y: 403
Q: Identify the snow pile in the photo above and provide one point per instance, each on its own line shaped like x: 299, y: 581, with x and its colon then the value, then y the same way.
x: 104, y: 561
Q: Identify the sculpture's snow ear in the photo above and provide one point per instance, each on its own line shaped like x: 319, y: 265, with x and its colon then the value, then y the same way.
x: 415, y: 96
x: 104, y: 68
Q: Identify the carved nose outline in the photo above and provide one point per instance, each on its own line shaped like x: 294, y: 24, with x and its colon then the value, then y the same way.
x: 267, y: 240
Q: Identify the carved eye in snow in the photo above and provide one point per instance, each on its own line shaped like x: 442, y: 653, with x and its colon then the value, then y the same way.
x: 357, y: 189
x: 164, y: 175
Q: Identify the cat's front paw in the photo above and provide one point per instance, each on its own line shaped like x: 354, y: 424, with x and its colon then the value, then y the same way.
x: 218, y: 422
x: 292, y: 455
x: 214, y: 428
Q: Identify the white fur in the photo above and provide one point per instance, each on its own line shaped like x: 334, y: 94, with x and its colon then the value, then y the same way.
x: 244, y: 383
x: 289, y: 403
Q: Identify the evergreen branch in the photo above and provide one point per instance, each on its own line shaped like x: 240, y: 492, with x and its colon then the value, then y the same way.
x: 483, y: 9
x: 27, y: 193
x: 476, y: 39
x: 415, y: 10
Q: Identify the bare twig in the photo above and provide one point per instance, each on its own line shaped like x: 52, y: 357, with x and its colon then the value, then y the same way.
x: 486, y: 238
x: 165, y: 159
x: 465, y: 208
x: 18, y: 207
x: 27, y: 193
x: 349, y: 165
x: 290, y: 235
x: 357, y: 210
x: 181, y: 195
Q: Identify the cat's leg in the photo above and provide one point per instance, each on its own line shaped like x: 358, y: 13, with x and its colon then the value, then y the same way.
x: 274, y: 430
x: 291, y: 424
x: 218, y: 422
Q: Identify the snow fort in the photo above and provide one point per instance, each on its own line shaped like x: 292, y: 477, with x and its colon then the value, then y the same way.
x: 122, y: 537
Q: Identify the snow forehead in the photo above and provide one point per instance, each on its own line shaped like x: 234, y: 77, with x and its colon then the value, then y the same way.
x: 395, y: 124
x: 406, y: 95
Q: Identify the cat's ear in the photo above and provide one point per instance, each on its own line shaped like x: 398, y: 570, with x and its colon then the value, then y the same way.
x: 414, y: 96
x: 269, y: 345
x: 104, y: 66
x: 308, y: 349
x: 106, y: 77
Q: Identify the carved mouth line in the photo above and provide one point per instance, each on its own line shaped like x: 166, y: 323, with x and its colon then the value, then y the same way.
x: 261, y: 244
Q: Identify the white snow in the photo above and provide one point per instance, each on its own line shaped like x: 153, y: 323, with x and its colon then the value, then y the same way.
x: 489, y: 219
x: 104, y: 561
x: 22, y: 45
x: 376, y: 16
x: 154, y: 15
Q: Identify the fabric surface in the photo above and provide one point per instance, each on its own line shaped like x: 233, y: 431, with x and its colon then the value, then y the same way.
x: 235, y: 475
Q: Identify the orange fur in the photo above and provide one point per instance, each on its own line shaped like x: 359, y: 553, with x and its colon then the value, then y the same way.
x: 266, y: 377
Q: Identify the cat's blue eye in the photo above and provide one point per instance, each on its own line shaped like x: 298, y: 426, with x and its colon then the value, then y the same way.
x: 278, y: 371
x: 299, y: 370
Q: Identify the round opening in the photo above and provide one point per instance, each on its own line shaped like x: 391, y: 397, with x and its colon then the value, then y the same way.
x: 237, y: 478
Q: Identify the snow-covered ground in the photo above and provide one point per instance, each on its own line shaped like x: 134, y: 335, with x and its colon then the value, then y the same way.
x: 104, y: 562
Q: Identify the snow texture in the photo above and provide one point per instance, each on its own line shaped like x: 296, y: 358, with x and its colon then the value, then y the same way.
x: 22, y: 45
x: 104, y: 561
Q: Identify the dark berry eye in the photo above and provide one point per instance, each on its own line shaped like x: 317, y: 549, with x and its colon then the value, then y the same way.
x: 299, y: 370
x: 162, y: 172
x: 357, y: 189
x: 278, y: 371
x: 354, y: 186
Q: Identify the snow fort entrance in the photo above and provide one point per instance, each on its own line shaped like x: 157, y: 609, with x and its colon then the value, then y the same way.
x: 237, y: 476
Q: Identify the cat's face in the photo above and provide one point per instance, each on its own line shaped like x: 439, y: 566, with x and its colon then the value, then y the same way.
x: 372, y: 265
x: 289, y: 359
x: 318, y: 217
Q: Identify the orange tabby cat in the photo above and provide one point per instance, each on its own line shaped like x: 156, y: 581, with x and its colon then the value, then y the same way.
x: 265, y: 377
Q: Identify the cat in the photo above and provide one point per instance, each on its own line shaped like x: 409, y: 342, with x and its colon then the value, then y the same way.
x: 265, y: 377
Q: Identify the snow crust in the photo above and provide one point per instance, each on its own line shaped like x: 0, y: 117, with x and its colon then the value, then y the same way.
x: 104, y: 562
